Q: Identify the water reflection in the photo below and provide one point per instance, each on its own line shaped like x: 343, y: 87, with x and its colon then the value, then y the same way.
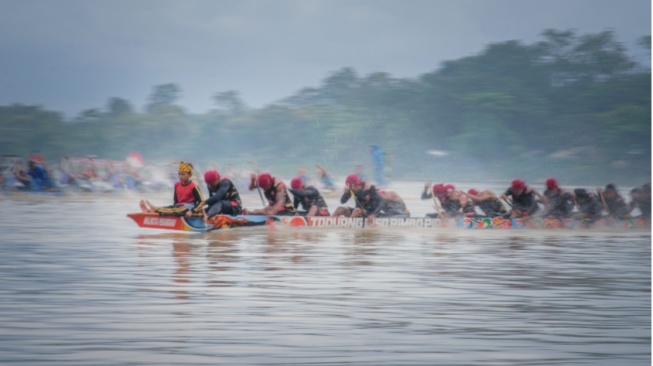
x: 222, y: 251
x: 359, y: 251
x: 516, y: 243
x: 181, y: 253
x: 186, y: 253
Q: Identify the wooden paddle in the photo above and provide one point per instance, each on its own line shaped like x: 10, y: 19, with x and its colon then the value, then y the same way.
x: 436, y: 201
x: 353, y: 195
x: 259, y: 188
x: 438, y: 204
x: 505, y: 199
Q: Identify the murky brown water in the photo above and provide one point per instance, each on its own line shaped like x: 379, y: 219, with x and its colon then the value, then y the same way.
x: 80, y: 284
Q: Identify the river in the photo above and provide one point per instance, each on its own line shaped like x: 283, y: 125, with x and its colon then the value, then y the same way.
x: 81, y: 284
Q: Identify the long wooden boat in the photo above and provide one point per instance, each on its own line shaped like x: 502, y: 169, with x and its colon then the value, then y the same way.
x: 461, y: 222
x: 196, y: 223
x: 220, y: 222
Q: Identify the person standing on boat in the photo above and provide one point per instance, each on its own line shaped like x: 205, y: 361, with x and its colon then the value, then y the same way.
x: 560, y: 202
x: 378, y: 159
x: 613, y: 203
x: 367, y: 199
x: 39, y: 179
x: 224, y: 198
x: 275, y: 192
x: 187, y: 197
x: 524, y: 199
x: 309, y: 197
x: 488, y: 202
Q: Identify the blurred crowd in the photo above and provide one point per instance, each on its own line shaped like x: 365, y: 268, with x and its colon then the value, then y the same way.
x: 87, y: 174
x: 35, y: 173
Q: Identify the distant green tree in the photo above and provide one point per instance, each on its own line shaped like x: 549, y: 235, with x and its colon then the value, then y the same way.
x: 89, y: 115
x: 338, y: 86
x: 163, y: 95
x: 231, y: 101
x: 118, y: 107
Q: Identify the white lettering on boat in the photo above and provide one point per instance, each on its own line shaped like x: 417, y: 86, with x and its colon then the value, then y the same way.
x: 348, y: 222
x: 341, y: 222
x: 159, y: 221
x: 407, y: 222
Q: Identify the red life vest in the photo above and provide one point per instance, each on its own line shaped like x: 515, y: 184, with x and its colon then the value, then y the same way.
x: 184, y: 193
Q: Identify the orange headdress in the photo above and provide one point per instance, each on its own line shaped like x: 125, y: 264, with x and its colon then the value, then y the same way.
x: 185, y: 167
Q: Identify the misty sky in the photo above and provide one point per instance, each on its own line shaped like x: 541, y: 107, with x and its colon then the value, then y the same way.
x: 72, y: 55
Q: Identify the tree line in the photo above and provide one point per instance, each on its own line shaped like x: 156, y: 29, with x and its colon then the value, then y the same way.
x: 574, y: 106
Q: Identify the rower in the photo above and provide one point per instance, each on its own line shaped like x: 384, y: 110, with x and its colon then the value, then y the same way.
x: 274, y: 190
x: 641, y: 198
x: 560, y: 202
x: 437, y: 193
x: 613, y: 203
x: 393, y: 205
x: 224, y: 198
x: 457, y: 204
x: 368, y: 202
x: 309, y: 197
x: 524, y: 204
x: 488, y: 202
x: 589, y: 205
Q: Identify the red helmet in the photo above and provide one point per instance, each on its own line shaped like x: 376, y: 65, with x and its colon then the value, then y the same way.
x: 517, y: 184
x: 449, y: 187
x: 353, y: 179
x: 296, y: 183
x: 211, y: 176
x: 438, y: 189
x: 551, y: 183
x: 473, y: 192
x: 264, y: 180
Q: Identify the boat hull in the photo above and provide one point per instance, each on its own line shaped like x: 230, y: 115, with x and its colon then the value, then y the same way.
x: 195, y: 224
x: 220, y: 222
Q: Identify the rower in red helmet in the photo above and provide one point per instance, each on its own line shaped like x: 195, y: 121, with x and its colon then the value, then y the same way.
x: 488, y: 202
x: 440, y: 197
x: 524, y: 202
x: 223, y: 198
x: 275, y: 192
x: 457, y: 203
x: 560, y: 202
x: 367, y: 199
x: 309, y: 197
